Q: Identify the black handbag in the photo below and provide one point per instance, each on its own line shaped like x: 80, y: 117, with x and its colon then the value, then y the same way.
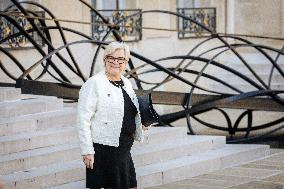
x: 147, y: 112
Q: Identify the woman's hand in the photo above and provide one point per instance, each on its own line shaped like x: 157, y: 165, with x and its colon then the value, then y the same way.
x: 89, y: 160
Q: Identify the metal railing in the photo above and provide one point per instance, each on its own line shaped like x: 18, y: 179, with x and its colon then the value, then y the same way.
x: 259, y: 96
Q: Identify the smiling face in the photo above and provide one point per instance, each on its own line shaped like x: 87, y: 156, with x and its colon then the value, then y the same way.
x: 115, y: 63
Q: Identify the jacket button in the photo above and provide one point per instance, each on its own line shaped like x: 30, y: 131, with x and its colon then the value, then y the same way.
x: 105, y: 123
x: 108, y: 95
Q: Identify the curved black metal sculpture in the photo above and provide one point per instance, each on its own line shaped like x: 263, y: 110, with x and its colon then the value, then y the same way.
x: 211, y: 99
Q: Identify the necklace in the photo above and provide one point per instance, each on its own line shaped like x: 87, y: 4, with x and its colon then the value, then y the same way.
x: 117, y: 83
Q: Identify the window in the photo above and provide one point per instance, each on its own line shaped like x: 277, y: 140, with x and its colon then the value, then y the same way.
x: 205, y: 16
x: 116, y: 11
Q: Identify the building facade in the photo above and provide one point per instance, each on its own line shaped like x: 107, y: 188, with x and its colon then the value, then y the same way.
x: 159, y: 35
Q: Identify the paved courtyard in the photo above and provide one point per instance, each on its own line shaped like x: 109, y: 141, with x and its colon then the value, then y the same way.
x: 267, y: 173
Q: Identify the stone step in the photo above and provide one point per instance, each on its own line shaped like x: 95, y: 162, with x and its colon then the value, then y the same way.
x: 25, y: 160
x: 264, y: 68
x: 198, y: 164
x: 161, y: 134
x: 142, y: 155
x: 46, y: 176
x: 72, y: 185
x: 37, y: 121
x: 10, y: 126
x: 260, y: 65
x: 19, y: 161
x: 9, y: 94
x: 29, y: 106
x: 148, y: 154
x: 255, y: 60
x: 180, y: 168
x: 37, y: 139
x: 252, y: 58
x: 171, y: 149
x: 230, y: 78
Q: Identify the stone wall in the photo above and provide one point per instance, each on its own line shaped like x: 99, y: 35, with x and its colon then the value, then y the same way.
x: 259, y: 17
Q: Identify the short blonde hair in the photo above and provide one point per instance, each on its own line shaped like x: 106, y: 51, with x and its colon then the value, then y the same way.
x: 113, y: 46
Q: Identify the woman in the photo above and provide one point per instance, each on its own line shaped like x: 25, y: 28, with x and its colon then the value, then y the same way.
x: 108, y: 122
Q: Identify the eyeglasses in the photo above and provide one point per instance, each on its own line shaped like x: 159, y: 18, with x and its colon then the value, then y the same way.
x: 120, y: 60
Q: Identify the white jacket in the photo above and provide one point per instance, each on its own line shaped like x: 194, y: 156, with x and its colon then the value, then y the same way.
x: 100, y: 112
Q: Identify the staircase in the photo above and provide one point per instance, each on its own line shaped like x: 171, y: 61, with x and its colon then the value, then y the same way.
x: 39, y: 148
x: 258, y: 63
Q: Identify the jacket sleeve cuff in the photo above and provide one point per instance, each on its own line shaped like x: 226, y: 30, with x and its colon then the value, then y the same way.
x: 87, y: 151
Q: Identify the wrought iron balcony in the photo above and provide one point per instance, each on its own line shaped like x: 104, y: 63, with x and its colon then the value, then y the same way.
x: 129, y: 28
x: 204, y: 16
x: 7, y: 29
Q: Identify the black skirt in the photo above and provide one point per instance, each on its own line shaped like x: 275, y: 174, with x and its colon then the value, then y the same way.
x: 113, y: 166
